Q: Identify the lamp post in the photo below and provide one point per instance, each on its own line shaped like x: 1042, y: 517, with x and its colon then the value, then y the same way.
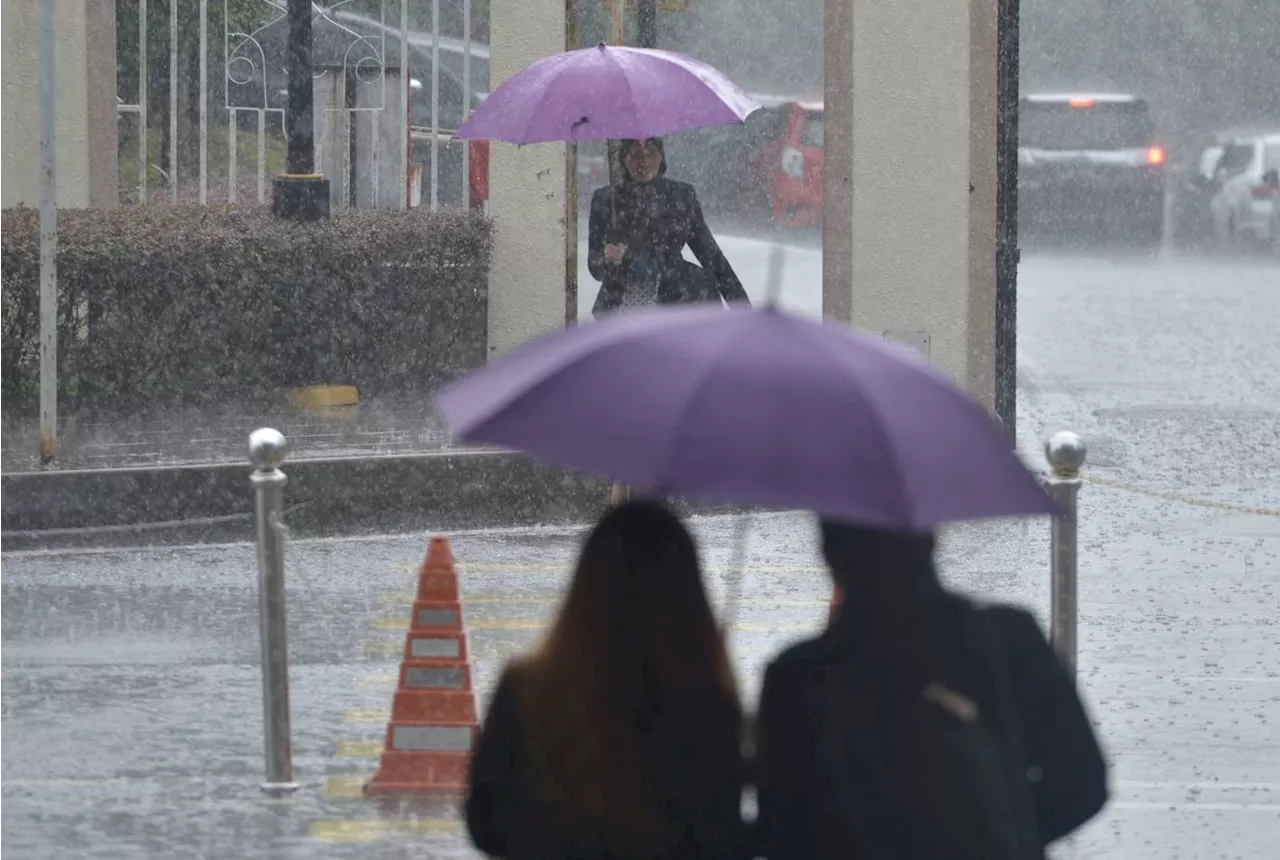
x: 300, y: 193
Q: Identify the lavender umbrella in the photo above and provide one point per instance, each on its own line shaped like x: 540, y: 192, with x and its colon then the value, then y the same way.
x: 607, y: 93
x: 751, y: 407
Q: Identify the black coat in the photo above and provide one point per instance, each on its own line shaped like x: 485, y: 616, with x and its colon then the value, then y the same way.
x: 1059, y: 743
x: 693, y: 764
x: 657, y: 218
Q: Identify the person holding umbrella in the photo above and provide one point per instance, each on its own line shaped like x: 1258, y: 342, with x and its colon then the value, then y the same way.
x: 638, y: 231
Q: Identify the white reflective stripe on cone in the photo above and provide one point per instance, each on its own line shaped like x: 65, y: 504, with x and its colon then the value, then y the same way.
x: 431, y: 738
x: 424, y: 647
x: 447, y: 677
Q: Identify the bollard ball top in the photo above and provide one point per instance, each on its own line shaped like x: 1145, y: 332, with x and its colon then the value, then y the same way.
x: 267, y: 448
x: 1065, y: 451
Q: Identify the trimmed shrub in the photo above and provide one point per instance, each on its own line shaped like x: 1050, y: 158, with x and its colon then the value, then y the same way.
x: 164, y: 307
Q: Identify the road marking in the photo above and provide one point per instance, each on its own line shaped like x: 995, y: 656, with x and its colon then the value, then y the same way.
x: 1242, y: 679
x: 377, y: 680
x: 1203, y: 807
x: 397, y: 599
x: 366, y: 715
x: 499, y: 624
x: 369, y: 829
x: 524, y: 567
x: 377, y: 649
x: 344, y: 786
x: 362, y: 749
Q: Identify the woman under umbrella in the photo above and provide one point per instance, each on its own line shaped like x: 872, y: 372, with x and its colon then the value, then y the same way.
x: 638, y: 231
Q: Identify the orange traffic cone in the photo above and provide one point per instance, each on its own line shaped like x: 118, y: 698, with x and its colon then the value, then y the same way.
x: 433, y: 727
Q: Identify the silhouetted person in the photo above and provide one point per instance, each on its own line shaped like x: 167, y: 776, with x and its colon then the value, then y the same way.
x: 620, y: 736
x: 918, y: 724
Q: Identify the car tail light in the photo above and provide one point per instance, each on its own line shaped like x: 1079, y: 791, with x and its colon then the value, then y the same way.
x: 793, y: 163
x: 1080, y: 103
x: 1262, y: 192
x: 1155, y: 156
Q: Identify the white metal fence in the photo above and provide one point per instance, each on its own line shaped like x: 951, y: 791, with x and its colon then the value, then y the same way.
x: 388, y: 99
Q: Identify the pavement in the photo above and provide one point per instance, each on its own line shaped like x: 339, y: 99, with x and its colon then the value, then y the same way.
x: 132, y: 692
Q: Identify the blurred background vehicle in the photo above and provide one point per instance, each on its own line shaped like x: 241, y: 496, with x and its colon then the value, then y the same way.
x: 1244, y: 207
x: 1090, y: 164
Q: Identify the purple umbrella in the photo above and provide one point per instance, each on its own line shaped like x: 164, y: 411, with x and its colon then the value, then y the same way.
x: 607, y: 93
x: 751, y: 407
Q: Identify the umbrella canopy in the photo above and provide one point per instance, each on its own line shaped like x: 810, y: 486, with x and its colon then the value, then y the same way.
x: 751, y: 407
x: 608, y: 92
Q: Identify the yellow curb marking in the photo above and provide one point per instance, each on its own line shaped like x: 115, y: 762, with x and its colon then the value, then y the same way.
x: 367, y: 830
x: 366, y: 715
x: 1181, y: 499
x: 343, y: 787
x: 361, y: 749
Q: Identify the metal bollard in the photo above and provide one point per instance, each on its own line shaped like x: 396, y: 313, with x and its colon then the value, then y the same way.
x: 1066, y: 454
x: 267, y: 449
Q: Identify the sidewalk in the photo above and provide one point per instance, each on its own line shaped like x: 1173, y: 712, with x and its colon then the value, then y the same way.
x: 382, y: 462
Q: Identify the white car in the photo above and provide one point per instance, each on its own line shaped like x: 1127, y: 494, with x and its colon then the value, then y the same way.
x: 1247, y: 205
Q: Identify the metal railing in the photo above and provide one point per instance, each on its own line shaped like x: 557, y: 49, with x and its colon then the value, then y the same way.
x: 375, y: 107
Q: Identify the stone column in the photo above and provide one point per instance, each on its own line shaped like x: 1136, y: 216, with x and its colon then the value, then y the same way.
x: 526, y: 190
x: 85, y: 104
x: 909, y: 177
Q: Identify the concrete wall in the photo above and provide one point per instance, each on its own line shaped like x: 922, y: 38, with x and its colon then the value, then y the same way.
x: 85, y: 104
x: 909, y: 249
x: 526, y: 189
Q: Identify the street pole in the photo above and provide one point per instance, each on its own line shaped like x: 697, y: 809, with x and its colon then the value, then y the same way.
x: 1066, y: 454
x: 1007, y: 254
x: 48, y: 238
x: 267, y: 450
x: 300, y: 193
x: 646, y: 23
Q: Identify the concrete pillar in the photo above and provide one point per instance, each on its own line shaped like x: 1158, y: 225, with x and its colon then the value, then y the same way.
x: 85, y: 104
x: 909, y: 177
x: 527, y: 187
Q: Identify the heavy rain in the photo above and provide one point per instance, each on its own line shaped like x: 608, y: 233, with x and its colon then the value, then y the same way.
x: 1053, y: 224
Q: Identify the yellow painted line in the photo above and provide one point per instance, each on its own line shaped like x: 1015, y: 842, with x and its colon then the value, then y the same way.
x: 366, y: 715
x: 499, y: 624
x: 343, y: 787
x: 368, y: 830
x: 361, y: 749
x: 377, y: 680
x: 481, y: 567
x: 407, y: 600
x: 383, y: 648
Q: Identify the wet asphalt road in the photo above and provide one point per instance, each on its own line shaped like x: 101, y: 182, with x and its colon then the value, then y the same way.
x: 132, y: 701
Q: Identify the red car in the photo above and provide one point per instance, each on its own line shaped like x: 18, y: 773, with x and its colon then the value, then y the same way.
x: 795, y: 180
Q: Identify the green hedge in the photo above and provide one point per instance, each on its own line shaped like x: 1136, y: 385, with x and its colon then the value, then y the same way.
x: 200, y: 306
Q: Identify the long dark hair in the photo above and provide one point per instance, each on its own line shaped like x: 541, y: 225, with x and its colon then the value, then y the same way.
x: 635, y: 646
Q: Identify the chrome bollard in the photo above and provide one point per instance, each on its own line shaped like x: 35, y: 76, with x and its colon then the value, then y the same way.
x: 267, y: 449
x: 1066, y: 454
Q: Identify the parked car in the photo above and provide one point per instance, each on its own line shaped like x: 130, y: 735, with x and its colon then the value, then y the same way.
x: 1245, y: 207
x: 767, y: 170
x: 1090, y: 163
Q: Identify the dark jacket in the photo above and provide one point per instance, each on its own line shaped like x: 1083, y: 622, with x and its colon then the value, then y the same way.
x: 692, y: 763
x: 932, y: 642
x: 657, y: 218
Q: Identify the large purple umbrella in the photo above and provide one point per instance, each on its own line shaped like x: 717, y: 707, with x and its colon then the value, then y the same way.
x: 751, y: 407
x: 607, y: 93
